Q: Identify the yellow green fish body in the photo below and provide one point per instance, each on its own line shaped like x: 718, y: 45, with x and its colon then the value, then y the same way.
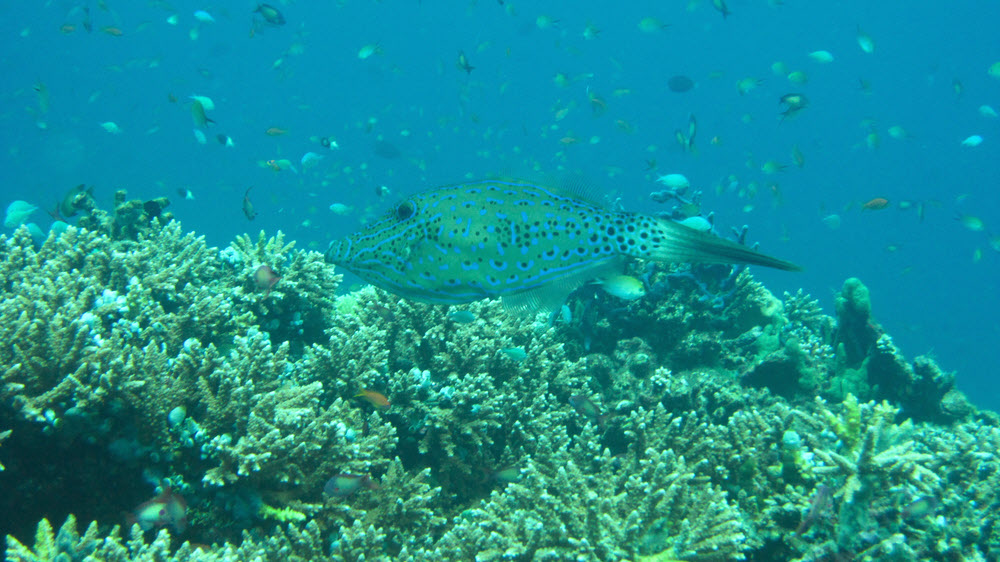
x: 526, y: 243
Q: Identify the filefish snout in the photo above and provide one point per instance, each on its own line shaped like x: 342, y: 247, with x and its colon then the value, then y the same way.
x: 351, y: 253
x: 337, y: 252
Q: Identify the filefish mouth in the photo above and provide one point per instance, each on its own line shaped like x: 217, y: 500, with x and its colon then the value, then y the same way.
x: 338, y: 250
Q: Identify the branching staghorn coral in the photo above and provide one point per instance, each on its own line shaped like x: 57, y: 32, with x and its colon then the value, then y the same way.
x: 879, y: 472
x: 146, y: 349
x: 291, y: 544
x: 401, y: 514
x: 72, y: 302
x: 576, y: 501
x: 454, y: 390
x: 298, y: 305
x: 871, y: 445
x: 289, y: 439
x: 505, y: 437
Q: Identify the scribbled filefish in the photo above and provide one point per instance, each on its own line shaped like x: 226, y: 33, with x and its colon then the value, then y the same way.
x: 527, y: 244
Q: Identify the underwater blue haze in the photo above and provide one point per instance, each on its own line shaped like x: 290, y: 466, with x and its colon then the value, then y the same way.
x: 545, y: 99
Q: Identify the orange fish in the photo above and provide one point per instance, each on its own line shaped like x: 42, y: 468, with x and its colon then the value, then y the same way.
x: 67, y: 28
x: 113, y: 31
x: 376, y: 399
x: 275, y: 132
x: 876, y: 204
x: 568, y: 140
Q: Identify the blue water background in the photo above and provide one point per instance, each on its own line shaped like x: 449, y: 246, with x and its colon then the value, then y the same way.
x: 927, y: 288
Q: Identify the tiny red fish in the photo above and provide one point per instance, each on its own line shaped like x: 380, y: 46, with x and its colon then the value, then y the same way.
x: 343, y: 485
x: 165, y: 509
x: 265, y: 278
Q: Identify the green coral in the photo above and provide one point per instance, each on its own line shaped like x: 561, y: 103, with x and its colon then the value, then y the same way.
x: 855, y: 334
x: 283, y: 515
x: 67, y: 544
x: 854, y: 299
x: 847, y: 427
x: 583, y: 506
x: 701, y: 437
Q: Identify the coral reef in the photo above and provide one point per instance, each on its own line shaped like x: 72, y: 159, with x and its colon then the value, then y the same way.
x: 128, y: 219
x: 709, y: 420
x: 153, y: 351
x: 68, y: 544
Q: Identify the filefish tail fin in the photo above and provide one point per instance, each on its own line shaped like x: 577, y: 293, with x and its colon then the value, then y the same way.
x: 683, y: 244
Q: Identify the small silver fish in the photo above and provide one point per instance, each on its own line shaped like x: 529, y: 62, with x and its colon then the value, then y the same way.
x: 462, y: 316
x: 516, y: 354
x: 527, y: 244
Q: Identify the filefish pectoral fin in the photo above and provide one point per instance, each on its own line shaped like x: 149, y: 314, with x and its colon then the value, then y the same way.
x: 552, y: 295
x: 684, y: 244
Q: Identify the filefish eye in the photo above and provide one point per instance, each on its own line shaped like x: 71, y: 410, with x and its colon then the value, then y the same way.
x: 405, y: 210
